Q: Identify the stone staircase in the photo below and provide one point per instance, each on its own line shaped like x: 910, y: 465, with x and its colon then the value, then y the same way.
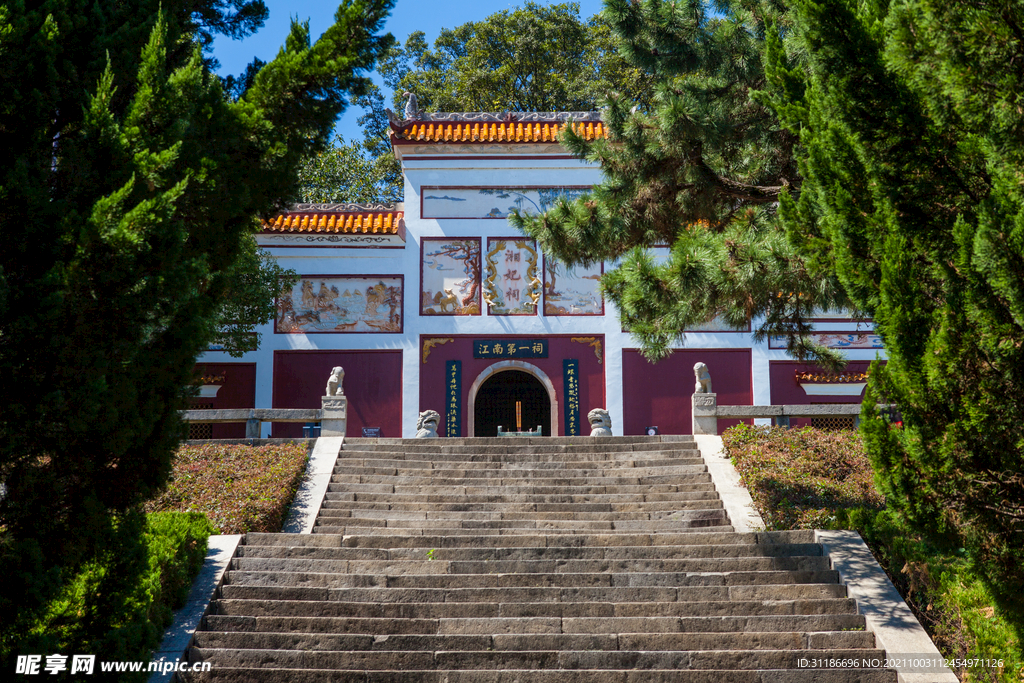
x: 548, y: 559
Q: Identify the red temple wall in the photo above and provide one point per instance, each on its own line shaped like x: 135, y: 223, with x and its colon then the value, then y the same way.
x: 787, y: 391
x: 433, y: 386
x: 659, y: 394
x: 373, y: 385
x: 237, y: 391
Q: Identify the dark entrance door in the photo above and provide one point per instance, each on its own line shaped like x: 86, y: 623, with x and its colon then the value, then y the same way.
x: 496, y: 404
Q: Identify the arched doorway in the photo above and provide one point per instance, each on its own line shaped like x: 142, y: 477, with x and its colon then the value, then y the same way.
x: 496, y: 400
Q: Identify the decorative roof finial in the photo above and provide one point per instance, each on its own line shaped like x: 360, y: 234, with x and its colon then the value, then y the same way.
x: 412, y: 110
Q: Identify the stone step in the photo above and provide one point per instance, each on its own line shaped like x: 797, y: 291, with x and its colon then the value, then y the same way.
x: 534, y: 569
x: 713, y: 538
x: 498, y: 457
x: 369, y: 602
x: 523, y: 446
x: 681, y: 519
x: 710, y: 523
x: 456, y: 494
x: 448, y: 660
x: 335, y: 508
x: 603, y: 477
x: 528, y: 554
x: 629, y: 485
x: 552, y: 559
x: 534, y: 625
x: 860, y: 640
x: 343, y: 501
x: 401, y: 462
x: 355, y: 482
x: 665, y: 505
x: 434, y: 610
x: 554, y: 580
x: 286, y: 675
x: 684, y: 519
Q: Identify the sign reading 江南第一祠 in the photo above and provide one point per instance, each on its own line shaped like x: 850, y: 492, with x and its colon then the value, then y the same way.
x: 510, y: 348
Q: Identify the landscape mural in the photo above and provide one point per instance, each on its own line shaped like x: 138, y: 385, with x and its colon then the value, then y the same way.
x: 837, y: 340
x: 450, y: 276
x: 492, y: 202
x: 341, y: 303
x: 574, y: 290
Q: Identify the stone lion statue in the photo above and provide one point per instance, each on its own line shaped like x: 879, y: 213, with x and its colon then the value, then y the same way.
x: 334, y: 387
x: 600, y: 422
x: 426, y: 424
x: 703, y: 385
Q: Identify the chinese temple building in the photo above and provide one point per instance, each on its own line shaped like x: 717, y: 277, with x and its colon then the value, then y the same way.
x: 439, y: 304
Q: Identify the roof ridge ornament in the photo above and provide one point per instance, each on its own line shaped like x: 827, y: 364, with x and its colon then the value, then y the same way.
x: 346, y: 207
x: 398, y: 124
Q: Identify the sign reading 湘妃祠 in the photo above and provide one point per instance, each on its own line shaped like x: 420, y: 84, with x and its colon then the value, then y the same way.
x: 453, y: 385
x: 510, y: 348
x: 571, y: 374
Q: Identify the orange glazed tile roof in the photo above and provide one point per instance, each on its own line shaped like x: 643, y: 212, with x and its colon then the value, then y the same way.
x: 483, y: 127
x: 344, y: 219
x: 495, y: 132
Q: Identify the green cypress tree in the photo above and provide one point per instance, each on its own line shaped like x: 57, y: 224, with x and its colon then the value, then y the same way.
x: 130, y: 184
x: 910, y: 112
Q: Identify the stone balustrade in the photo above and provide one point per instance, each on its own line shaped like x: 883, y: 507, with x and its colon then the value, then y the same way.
x: 707, y: 412
x: 253, y: 417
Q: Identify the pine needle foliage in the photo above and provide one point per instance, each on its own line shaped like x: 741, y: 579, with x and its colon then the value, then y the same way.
x: 700, y: 174
x: 129, y: 187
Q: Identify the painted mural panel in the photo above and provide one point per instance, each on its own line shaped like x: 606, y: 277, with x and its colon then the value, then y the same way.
x: 492, y: 202
x: 512, y: 280
x: 574, y: 290
x: 837, y: 340
x: 341, y: 303
x: 450, y: 276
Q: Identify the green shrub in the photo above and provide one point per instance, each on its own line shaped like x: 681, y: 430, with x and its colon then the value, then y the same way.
x: 801, y: 478
x: 239, y: 488
x: 806, y: 479
x: 117, y: 606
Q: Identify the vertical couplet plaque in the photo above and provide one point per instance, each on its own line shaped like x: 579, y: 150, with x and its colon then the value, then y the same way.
x: 571, y: 375
x: 453, y: 385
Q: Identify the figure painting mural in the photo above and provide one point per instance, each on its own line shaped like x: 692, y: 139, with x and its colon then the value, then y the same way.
x: 512, y: 282
x: 574, y: 290
x: 450, y: 278
x: 492, y: 202
x: 341, y: 303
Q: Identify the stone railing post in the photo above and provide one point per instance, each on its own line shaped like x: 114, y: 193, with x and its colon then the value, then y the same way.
x: 704, y: 409
x: 252, y: 426
x: 335, y: 415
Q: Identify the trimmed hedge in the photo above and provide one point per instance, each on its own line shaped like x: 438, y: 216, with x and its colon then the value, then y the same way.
x: 239, y: 488
x: 807, y: 479
x: 117, y: 606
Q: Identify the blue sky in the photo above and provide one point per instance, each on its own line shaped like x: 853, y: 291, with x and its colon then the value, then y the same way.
x: 429, y: 16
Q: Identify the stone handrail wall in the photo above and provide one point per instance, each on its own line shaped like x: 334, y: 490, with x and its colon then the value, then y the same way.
x: 252, y: 417
x: 707, y: 412
x: 817, y: 410
x: 246, y: 414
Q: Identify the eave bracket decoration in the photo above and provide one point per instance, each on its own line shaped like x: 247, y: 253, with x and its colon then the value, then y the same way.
x: 430, y: 343
x: 591, y: 341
